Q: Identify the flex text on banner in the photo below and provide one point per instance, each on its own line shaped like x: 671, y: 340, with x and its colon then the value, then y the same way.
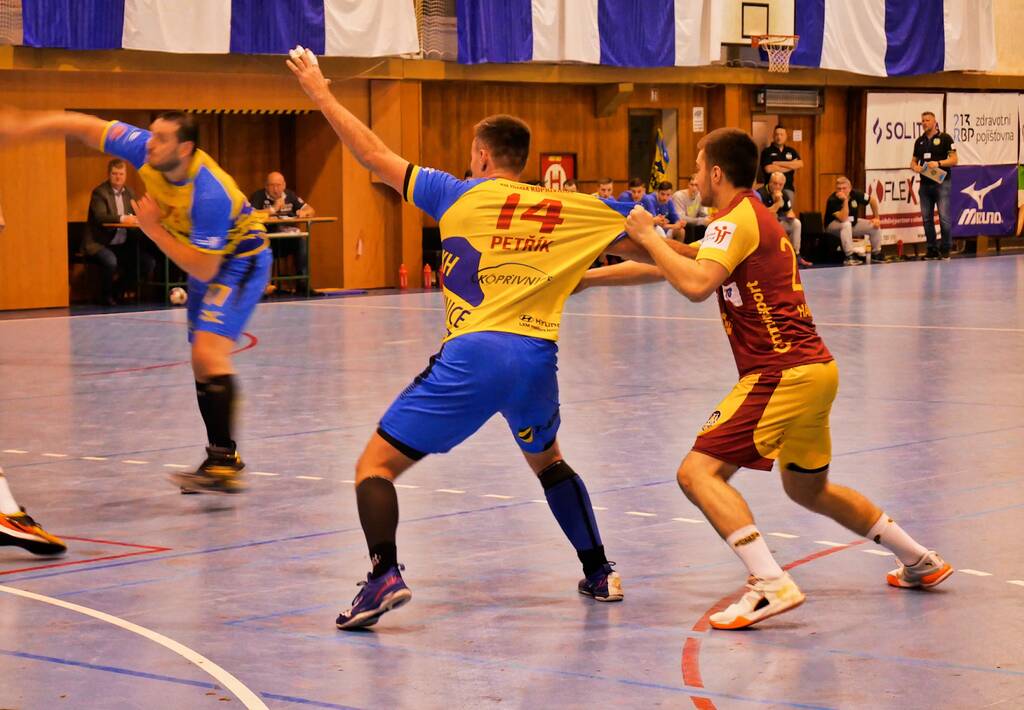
x: 898, y: 203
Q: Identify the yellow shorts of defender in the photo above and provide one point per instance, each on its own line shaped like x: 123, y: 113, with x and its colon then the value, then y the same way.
x: 775, y: 415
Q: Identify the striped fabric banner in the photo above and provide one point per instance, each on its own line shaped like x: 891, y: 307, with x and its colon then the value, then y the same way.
x: 895, y: 37
x: 350, y: 28
x: 626, y: 33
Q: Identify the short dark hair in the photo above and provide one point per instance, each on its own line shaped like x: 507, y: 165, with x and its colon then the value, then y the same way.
x: 605, y: 181
x: 188, y: 129
x: 778, y: 126
x: 508, y: 139
x: 116, y: 163
x: 664, y: 185
x: 734, y: 151
x: 637, y: 182
x: 927, y: 113
x: 569, y: 182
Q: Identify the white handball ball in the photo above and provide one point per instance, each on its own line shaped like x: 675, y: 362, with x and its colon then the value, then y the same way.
x: 178, y: 296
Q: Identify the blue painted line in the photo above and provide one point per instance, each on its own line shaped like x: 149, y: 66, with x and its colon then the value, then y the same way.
x: 369, y: 641
x: 111, y: 669
x: 980, y: 513
x: 278, y: 614
x: 244, y: 545
x: 171, y: 679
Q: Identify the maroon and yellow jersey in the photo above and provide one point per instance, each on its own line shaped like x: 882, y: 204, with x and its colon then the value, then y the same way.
x: 762, y: 301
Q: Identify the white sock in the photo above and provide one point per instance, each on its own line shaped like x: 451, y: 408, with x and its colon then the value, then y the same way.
x: 749, y: 545
x: 8, y: 506
x: 891, y: 536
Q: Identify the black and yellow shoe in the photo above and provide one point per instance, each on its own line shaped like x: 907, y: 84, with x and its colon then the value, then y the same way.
x: 21, y: 530
x: 221, y: 472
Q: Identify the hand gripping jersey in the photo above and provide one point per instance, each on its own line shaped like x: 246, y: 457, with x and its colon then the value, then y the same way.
x: 512, y: 253
x: 207, y: 211
x: 762, y: 301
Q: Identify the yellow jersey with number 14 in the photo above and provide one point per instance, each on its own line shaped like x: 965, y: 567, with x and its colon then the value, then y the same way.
x: 512, y: 253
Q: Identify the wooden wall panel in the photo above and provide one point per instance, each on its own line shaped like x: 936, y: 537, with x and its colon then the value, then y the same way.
x: 249, y: 147
x: 33, y: 247
x: 830, y: 155
x: 318, y: 174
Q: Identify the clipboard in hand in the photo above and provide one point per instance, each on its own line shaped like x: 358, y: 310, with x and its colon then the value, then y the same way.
x: 935, y: 174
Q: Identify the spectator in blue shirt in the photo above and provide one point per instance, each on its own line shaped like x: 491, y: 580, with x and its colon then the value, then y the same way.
x: 636, y: 192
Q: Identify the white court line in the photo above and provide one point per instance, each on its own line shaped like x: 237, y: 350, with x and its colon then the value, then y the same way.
x: 263, y: 473
x: 784, y: 535
x: 496, y: 495
x: 176, y: 465
x: 135, y: 462
x: 634, y: 316
x: 538, y: 500
x: 249, y: 699
x: 56, y: 456
x: 402, y: 342
x: 348, y: 480
x: 397, y: 485
x: 95, y: 458
x: 14, y: 451
x: 693, y: 521
x: 448, y: 490
x: 880, y: 553
x: 311, y: 478
x: 641, y: 514
x: 829, y: 543
x: 975, y: 572
x: 596, y: 507
x: 1018, y: 582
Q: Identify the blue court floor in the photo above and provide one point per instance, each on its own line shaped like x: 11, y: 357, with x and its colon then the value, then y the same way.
x: 167, y: 601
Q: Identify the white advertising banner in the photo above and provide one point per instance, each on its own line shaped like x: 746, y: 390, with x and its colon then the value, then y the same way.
x: 896, y: 191
x: 893, y: 124
x: 984, y: 127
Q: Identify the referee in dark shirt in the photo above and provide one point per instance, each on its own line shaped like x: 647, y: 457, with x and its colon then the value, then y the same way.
x: 934, y: 149
x: 778, y: 157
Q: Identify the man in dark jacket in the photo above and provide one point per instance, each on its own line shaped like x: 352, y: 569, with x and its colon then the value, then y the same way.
x: 115, y: 250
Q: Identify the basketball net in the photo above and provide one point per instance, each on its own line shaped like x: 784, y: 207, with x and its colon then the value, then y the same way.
x: 779, y: 49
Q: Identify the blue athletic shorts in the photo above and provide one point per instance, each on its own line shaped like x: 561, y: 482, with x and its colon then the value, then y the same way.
x: 473, y: 377
x: 224, y: 304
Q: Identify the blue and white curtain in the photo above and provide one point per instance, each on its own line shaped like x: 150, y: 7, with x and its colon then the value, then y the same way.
x: 895, y: 37
x: 625, y: 33
x: 350, y: 28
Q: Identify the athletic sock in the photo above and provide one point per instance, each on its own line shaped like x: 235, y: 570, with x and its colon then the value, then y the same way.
x: 378, y: 514
x: 217, y: 404
x: 891, y: 536
x: 8, y: 506
x: 749, y: 545
x: 570, y: 503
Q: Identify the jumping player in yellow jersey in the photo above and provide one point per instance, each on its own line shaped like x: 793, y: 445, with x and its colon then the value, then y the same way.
x: 512, y: 253
x: 788, y: 380
x: 195, y: 213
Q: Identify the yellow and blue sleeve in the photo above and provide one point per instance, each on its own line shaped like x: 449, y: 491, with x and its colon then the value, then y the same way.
x: 125, y: 141
x: 212, y: 213
x: 434, y: 191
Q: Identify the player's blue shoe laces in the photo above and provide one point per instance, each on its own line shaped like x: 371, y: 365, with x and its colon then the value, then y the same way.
x: 604, y: 585
x: 376, y: 597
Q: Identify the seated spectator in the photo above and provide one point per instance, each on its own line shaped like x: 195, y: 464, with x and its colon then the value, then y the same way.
x: 663, y: 208
x: 279, y: 202
x: 779, y: 201
x: 570, y: 186
x: 122, y: 255
x: 605, y: 189
x: 694, y: 214
x: 636, y: 192
x: 842, y: 217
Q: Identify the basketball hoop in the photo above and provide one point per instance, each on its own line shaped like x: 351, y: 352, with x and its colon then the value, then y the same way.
x: 779, y: 49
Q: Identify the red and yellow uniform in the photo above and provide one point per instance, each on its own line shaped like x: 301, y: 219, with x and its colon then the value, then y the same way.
x: 788, y: 379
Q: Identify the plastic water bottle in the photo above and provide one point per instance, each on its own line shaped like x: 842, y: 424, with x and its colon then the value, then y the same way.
x: 428, y: 276
x: 403, y: 277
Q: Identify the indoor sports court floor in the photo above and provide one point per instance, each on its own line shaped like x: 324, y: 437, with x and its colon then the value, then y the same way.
x: 167, y: 601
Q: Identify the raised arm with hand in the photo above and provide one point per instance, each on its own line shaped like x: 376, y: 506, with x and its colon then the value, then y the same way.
x: 26, y: 125
x: 369, y: 150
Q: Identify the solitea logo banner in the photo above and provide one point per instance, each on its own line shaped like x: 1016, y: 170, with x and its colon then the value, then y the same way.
x: 893, y: 124
x: 984, y: 127
x: 984, y: 200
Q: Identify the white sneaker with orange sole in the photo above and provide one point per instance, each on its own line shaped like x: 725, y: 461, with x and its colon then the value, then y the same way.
x: 927, y: 572
x: 765, y: 598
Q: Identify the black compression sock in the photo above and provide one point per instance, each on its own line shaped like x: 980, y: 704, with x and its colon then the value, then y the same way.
x: 378, y: 514
x: 217, y: 404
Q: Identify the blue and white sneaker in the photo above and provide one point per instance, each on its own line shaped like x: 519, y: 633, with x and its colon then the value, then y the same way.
x: 604, y: 585
x: 376, y: 597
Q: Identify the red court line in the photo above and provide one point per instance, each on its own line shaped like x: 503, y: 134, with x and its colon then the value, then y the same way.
x: 253, y: 342
x: 691, y: 649
x: 143, y: 550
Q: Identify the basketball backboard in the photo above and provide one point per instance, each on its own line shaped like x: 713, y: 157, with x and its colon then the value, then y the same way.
x: 742, y: 19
